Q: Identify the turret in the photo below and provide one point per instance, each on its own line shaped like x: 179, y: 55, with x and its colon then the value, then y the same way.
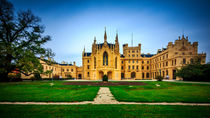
x: 94, y: 46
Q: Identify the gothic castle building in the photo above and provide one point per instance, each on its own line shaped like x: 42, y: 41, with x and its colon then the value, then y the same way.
x: 105, y: 59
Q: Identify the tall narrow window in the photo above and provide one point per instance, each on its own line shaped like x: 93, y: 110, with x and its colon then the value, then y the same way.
x: 184, y: 61
x: 105, y: 59
x: 115, y: 62
x: 94, y: 62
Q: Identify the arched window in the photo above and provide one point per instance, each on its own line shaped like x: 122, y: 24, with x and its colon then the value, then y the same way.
x: 133, y: 75
x: 191, y: 60
x: 94, y: 62
x: 115, y: 62
x: 105, y: 59
x: 184, y: 61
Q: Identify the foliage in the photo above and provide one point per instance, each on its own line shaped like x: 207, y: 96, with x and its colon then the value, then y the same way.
x: 21, y: 41
x: 195, y: 72
x: 105, y: 78
x: 37, y: 76
x: 159, y: 78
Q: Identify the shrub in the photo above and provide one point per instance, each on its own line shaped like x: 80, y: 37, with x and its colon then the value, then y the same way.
x: 195, y: 72
x: 105, y: 78
x: 159, y: 78
x: 37, y: 76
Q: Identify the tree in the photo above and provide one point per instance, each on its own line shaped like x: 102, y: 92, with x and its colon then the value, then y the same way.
x: 195, y: 72
x: 21, y: 41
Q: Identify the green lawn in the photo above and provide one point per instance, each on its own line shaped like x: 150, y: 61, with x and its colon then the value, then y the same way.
x: 166, y: 92
x: 109, y: 111
x: 44, y: 91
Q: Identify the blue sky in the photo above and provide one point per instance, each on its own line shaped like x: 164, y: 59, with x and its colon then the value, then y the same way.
x: 72, y: 24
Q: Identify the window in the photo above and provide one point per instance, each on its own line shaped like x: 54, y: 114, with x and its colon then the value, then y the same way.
x: 63, y: 70
x: 137, y: 67
x: 67, y: 70
x: 133, y: 55
x: 88, y: 74
x: 129, y: 55
x: 133, y: 51
x: 142, y: 67
x: 122, y: 62
x: 166, y: 63
x: 137, y: 61
x: 147, y: 67
x: 105, y: 59
x: 142, y: 62
x: 133, y: 61
x: 147, y: 75
x: 72, y: 70
x: 122, y: 67
x: 166, y: 56
x: 184, y: 61
x: 191, y: 61
x: 133, y: 67
x: 129, y: 61
x: 142, y: 75
x: 94, y: 62
x: 175, y: 61
x: 88, y: 60
x: 129, y: 67
x: 147, y: 62
x: 88, y: 67
x: 115, y: 62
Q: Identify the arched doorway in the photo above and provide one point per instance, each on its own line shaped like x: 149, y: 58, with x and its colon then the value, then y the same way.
x: 133, y: 75
x: 101, y: 74
x: 79, y: 76
x: 109, y: 74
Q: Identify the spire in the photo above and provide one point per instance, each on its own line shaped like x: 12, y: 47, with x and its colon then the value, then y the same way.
x: 84, y: 48
x: 116, y: 40
x: 94, y: 40
x: 105, y: 37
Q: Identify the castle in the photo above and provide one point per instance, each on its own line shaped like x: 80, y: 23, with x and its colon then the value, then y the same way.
x: 105, y: 59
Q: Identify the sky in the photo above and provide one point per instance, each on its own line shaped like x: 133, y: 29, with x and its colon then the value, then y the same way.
x: 72, y: 24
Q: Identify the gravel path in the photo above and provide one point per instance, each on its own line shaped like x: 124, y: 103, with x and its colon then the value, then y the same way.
x: 105, y: 96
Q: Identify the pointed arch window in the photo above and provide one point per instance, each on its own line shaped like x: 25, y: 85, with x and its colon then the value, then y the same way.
x: 94, y: 62
x: 115, y: 62
x: 105, y: 59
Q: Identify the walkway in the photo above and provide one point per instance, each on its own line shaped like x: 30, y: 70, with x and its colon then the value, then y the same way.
x: 104, y: 96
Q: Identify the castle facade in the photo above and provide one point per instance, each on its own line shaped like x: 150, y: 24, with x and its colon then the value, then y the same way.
x: 105, y: 59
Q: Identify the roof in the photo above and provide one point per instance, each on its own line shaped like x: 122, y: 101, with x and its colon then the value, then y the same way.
x: 87, y: 54
x: 109, y: 44
x: 66, y: 64
x: 159, y: 50
x: 147, y: 55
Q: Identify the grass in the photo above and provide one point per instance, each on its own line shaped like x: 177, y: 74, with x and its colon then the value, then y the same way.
x: 41, y: 91
x: 166, y: 92
x: 105, y: 111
